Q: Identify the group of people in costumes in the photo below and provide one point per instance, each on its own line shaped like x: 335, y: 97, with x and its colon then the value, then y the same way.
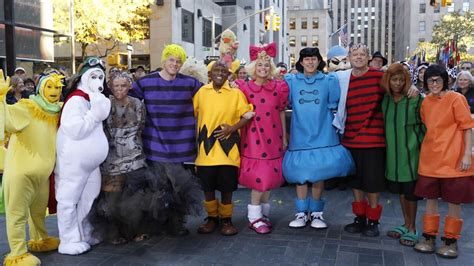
x: 119, y: 162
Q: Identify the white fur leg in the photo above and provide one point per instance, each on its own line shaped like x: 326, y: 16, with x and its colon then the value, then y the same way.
x: 73, y: 248
x: 89, y: 194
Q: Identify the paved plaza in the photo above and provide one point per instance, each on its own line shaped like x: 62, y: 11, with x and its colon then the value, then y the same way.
x: 284, y: 246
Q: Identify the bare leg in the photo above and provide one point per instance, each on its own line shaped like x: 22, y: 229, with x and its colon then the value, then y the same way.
x: 454, y: 210
x: 373, y: 199
x: 317, y: 190
x: 255, y: 197
x: 358, y: 195
x: 302, y: 191
x: 432, y: 206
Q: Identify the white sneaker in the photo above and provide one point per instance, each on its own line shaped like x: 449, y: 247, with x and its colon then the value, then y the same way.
x: 317, y: 220
x: 300, y: 220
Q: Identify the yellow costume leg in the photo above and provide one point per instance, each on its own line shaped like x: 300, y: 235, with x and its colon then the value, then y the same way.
x: 19, y: 194
x: 40, y: 241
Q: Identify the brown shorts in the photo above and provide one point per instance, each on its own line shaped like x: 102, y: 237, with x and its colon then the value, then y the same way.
x: 453, y: 190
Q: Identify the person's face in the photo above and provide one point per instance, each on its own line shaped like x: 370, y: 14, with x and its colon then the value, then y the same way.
x: 120, y: 88
x: 421, y: 74
x: 52, y: 91
x: 30, y: 86
x: 172, y: 65
x: 242, y: 74
x: 219, y: 75
x: 20, y: 73
x: 310, y: 64
x: 397, y: 83
x: 262, y: 69
x: 435, y: 85
x: 19, y: 86
x: 376, y: 63
x: 463, y: 82
x: 139, y: 73
x: 466, y: 66
x: 359, y: 58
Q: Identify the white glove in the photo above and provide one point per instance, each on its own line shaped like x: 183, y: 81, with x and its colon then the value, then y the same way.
x: 100, y: 106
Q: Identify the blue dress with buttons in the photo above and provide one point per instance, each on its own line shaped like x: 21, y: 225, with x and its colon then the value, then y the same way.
x: 314, y: 152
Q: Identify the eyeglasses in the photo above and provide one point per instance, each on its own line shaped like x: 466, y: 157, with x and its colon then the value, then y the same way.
x: 94, y: 61
x: 465, y: 68
x: 434, y: 81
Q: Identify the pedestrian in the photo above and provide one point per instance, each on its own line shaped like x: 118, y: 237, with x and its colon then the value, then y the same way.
x: 18, y: 91
x: 465, y: 86
x: 220, y: 111
x: 242, y: 73
x: 378, y: 61
x: 314, y: 153
x: 404, y: 133
x: 418, y: 78
x: 29, y: 85
x: 263, y: 139
x: 364, y: 136
x: 117, y: 214
x: 445, y: 169
x: 169, y: 137
x: 20, y: 72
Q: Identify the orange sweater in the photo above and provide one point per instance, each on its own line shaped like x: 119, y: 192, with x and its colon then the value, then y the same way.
x: 445, y: 118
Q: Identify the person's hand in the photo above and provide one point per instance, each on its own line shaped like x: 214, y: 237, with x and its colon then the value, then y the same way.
x: 413, y: 92
x: 100, y: 106
x: 285, y: 143
x: 466, y: 162
x: 224, y: 132
x: 4, y: 84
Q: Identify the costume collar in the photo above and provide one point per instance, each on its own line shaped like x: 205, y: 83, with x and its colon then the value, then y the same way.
x: 226, y: 86
x: 310, y: 79
x: 269, y: 86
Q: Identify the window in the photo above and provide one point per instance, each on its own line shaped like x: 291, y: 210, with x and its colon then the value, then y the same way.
x: 451, y: 8
x: 304, y: 23
x: 315, y: 23
x: 292, y: 41
x: 437, y: 8
x: 422, y: 26
x: 292, y: 23
x: 422, y: 8
x: 465, y: 6
x: 206, y: 33
x: 315, y: 41
x: 304, y: 41
x: 187, y: 26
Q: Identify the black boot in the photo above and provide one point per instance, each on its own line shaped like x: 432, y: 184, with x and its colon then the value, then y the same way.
x: 372, y: 229
x: 357, y: 226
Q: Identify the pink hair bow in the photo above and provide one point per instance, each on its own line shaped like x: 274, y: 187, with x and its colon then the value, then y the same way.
x: 269, y: 49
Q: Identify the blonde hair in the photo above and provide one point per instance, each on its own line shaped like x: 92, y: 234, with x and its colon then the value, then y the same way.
x: 251, y: 67
x: 173, y: 50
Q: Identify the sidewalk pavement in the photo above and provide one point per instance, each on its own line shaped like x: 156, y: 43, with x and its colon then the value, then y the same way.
x: 284, y: 246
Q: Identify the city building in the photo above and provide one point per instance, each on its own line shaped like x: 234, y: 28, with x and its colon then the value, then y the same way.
x: 309, y: 25
x: 368, y: 21
x: 418, y: 20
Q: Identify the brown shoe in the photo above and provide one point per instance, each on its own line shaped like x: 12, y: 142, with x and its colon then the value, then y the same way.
x: 426, y: 244
x: 228, y: 229
x: 449, y: 249
x: 209, y: 226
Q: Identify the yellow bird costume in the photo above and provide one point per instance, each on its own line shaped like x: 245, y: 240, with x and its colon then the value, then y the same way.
x: 29, y: 162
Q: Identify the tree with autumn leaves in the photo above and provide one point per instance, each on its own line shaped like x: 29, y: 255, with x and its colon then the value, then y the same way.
x: 108, y: 22
x: 457, y: 26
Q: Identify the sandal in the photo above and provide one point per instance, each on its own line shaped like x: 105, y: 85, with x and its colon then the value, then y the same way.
x: 119, y: 241
x: 409, y: 239
x: 140, y: 238
x: 397, y: 232
x: 260, y: 227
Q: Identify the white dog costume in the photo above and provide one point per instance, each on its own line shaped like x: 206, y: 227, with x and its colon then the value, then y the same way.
x: 81, y: 147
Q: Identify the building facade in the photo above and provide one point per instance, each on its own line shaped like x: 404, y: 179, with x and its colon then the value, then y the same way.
x: 368, y: 21
x: 309, y: 25
x: 415, y: 22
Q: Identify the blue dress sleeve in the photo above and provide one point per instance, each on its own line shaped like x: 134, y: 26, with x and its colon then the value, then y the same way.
x: 334, y: 91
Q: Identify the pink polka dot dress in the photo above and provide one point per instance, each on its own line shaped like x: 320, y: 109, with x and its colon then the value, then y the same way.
x: 262, y: 138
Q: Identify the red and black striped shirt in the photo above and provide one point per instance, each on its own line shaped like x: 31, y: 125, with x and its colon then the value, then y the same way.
x: 364, y: 123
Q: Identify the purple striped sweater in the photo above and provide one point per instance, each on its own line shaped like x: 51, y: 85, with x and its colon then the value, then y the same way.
x: 170, y: 129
